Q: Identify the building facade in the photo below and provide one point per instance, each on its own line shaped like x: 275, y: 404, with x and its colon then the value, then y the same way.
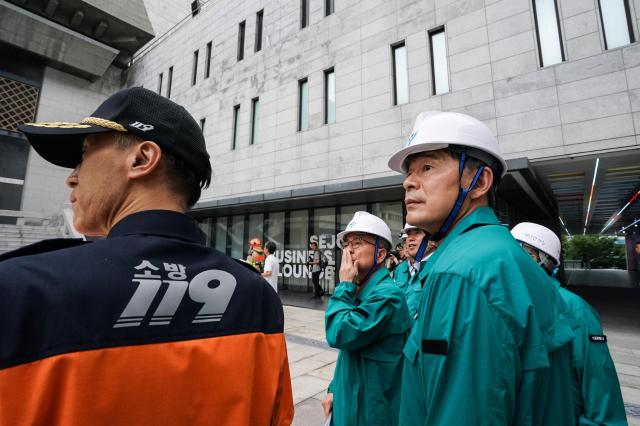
x: 59, y: 60
x: 303, y: 102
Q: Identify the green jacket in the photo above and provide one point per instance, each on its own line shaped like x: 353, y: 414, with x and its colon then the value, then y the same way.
x: 411, y: 286
x: 596, y: 391
x: 491, y: 346
x: 370, y: 330
x: 401, y: 274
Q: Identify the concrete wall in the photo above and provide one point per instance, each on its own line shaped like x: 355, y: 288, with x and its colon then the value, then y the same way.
x: 63, y: 97
x: 588, y: 104
x: 165, y: 14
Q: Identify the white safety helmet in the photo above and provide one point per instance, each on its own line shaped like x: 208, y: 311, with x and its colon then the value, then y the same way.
x: 538, y: 237
x: 407, y: 228
x: 435, y: 130
x: 367, y: 223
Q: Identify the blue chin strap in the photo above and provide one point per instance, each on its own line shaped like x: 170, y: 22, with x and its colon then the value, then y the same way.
x: 462, y: 195
x: 422, y: 249
x: 375, y: 263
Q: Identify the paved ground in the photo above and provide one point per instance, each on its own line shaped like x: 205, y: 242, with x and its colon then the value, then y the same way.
x: 312, y: 362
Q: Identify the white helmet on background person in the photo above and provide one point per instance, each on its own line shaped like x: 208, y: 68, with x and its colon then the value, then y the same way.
x: 538, y: 237
x: 408, y: 227
x: 435, y: 130
x: 367, y: 223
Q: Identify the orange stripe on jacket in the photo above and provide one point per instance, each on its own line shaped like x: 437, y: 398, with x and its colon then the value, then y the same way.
x: 215, y: 381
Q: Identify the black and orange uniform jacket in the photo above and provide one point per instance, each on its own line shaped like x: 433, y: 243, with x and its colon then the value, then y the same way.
x: 145, y: 327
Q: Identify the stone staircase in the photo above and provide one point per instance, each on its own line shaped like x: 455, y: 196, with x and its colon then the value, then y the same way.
x: 16, y: 236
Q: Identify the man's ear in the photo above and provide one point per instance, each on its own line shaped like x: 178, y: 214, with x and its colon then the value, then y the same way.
x: 483, y: 184
x: 144, y: 158
x: 382, y: 255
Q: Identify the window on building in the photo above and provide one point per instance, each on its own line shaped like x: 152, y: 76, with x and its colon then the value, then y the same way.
x: 207, y: 63
x: 548, y: 32
x: 400, y: 74
x: 194, y: 71
x: 304, y: 13
x: 202, y: 121
x: 616, y: 22
x: 236, y: 116
x: 258, y: 43
x: 255, y: 117
x: 169, y: 81
x: 303, y: 107
x: 221, y: 233
x: 329, y: 7
x: 241, y: 41
x: 236, y: 233
x: 160, y: 84
x: 329, y: 96
x: 439, y: 67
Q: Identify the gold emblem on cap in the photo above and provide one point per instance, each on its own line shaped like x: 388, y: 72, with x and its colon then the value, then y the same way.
x: 104, y: 123
x: 58, y: 125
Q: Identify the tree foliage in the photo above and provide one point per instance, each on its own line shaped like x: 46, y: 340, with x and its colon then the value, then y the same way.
x: 598, y: 252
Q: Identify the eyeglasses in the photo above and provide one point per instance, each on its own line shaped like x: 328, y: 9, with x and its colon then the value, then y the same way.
x: 354, y: 242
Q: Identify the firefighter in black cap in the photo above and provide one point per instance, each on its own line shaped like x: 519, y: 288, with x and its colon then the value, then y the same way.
x: 148, y: 325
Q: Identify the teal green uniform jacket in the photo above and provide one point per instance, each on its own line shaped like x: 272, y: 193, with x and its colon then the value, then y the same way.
x: 370, y: 330
x: 401, y: 274
x: 596, y: 390
x: 491, y: 346
x: 411, y: 286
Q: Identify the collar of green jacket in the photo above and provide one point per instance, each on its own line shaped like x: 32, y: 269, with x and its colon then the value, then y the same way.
x: 479, y: 217
x: 373, y: 281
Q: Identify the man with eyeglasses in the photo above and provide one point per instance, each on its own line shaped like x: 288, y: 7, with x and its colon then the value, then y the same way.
x: 368, y: 320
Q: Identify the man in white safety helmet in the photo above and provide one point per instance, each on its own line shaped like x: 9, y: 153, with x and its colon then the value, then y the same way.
x: 485, y: 345
x: 406, y: 274
x: 597, y: 398
x: 367, y: 319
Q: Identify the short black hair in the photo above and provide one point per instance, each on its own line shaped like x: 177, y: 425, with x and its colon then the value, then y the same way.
x: 180, y: 175
x: 271, y: 246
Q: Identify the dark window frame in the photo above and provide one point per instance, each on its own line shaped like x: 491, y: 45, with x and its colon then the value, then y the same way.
x: 535, y: 20
x: 160, y: 84
x: 395, y: 46
x: 194, y: 71
x: 254, y: 101
x: 259, y: 24
x: 326, y: 93
x: 627, y: 11
x: 304, y: 14
x: 329, y: 7
x: 301, y: 82
x: 169, y: 81
x: 207, y: 64
x: 236, y: 118
x: 430, y: 34
x: 202, y: 123
x: 241, y: 30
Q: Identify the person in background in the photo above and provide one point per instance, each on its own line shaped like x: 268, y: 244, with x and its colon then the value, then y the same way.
x: 271, y: 265
x: 418, y: 249
x: 597, y: 399
x: 316, y: 269
x: 367, y: 319
x: 256, y: 254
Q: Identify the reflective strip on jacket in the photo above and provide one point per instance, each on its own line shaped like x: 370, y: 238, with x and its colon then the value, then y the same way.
x: 370, y: 330
x: 596, y: 391
x: 488, y: 336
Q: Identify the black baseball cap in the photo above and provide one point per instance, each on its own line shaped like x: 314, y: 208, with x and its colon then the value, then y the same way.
x: 135, y: 110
